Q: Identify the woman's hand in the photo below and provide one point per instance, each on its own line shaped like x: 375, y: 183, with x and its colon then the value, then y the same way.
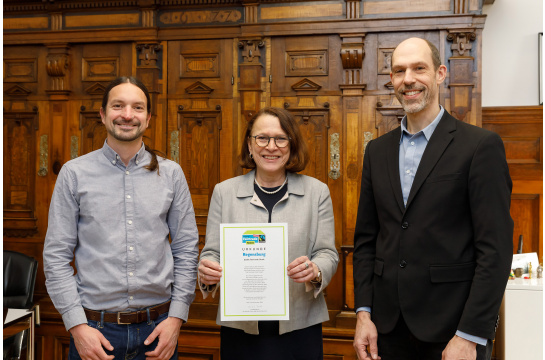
x: 209, y: 272
x: 302, y: 270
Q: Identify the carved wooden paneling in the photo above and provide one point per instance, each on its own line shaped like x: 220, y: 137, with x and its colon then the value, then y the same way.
x: 199, y: 153
x: 384, y: 61
x: 19, y: 173
x: 198, y: 353
x: 199, y: 65
x: 93, y: 131
x: 18, y: 91
x: 100, y: 69
x: 20, y: 70
x: 306, y: 63
x: 525, y: 214
x: 314, y: 128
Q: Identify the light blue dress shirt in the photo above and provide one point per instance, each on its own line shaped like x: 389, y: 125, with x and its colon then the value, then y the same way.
x: 411, y: 149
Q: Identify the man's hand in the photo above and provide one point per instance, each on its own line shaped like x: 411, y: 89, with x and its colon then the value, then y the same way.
x: 299, y: 272
x: 460, y: 349
x: 366, y: 334
x: 209, y: 272
x: 168, y: 331
x: 89, y: 343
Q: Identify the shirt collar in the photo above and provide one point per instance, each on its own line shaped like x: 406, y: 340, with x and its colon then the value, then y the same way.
x: 427, y: 131
x: 113, y: 157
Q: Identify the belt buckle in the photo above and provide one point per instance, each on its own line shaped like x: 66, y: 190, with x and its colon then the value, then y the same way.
x: 119, y: 319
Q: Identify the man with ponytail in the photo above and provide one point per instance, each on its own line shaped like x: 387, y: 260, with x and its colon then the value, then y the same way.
x: 113, y: 210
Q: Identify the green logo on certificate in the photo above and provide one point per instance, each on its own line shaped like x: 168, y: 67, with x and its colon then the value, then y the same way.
x: 252, y: 237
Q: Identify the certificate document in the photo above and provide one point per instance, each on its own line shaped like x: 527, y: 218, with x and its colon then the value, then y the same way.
x: 254, y: 284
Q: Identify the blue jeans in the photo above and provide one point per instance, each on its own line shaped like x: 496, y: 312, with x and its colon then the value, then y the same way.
x: 127, y: 340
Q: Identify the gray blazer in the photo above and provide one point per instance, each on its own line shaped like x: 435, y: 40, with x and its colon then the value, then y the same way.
x: 308, y: 210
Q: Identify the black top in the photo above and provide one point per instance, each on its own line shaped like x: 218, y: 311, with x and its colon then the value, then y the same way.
x: 269, y: 200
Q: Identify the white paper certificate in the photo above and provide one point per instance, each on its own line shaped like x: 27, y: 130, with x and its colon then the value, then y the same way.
x: 254, y: 283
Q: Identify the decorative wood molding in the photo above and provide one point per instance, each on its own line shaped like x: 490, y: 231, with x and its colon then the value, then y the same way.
x: 17, y: 90
x: 461, y: 81
x: 56, y: 21
x: 305, y: 85
x: 353, y: 9
x: 200, y: 65
x: 74, y: 147
x: 96, y: 89
x: 148, y: 17
x: 20, y: 70
x: 148, y: 53
x: 44, y: 155
x: 198, y: 88
x: 58, y: 69
x: 100, y: 68
x: 307, y: 63
x: 352, y: 55
x: 250, y: 13
x: 19, y: 158
x: 250, y: 50
x: 461, y: 46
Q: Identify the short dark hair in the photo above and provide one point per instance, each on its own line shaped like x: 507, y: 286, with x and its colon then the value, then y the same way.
x: 299, y: 156
x: 154, y: 163
x: 435, y: 56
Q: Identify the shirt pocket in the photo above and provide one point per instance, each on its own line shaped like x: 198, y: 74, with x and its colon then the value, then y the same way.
x: 446, y: 177
x: 452, y: 272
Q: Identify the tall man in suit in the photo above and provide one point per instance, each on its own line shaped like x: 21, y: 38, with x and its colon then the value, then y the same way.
x: 433, y: 240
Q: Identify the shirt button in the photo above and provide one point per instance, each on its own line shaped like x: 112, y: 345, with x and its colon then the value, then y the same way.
x: 130, y: 274
x: 136, y: 162
x: 130, y: 297
x: 131, y: 248
x: 405, y: 225
x: 412, y: 142
x: 117, y: 156
x: 127, y: 172
x: 130, y: 222
x: 402, y: 264
x: 128, y: 196
x: 408, y: 171
x: 113, y: 162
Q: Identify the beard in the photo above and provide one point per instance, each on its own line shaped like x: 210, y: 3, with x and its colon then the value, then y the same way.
x: 413, y: 106
x: 131, y: 135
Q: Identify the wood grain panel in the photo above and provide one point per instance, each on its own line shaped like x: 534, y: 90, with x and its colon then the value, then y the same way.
x: 26, y: 23
x: 100, y: 69
x: 306, y: 63
x: 102, y: 20
x: 409, y: 6
x: 20, y: 70
x: 199, y: 65
x: 301, y: 11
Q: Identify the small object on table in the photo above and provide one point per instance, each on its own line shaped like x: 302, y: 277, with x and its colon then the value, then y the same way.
x: 511, y: 275
x: 529, y: 270
x: 526, y: 277
x: 518, y: 272
x: 540, y: 271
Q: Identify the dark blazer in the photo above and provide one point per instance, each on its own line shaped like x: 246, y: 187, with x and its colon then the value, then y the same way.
x: 443, y: 260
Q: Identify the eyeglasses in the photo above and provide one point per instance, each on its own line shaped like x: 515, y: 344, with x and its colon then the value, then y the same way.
x: 280, y: 141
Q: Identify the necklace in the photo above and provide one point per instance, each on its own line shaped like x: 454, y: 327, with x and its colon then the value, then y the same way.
x: 271, y: 192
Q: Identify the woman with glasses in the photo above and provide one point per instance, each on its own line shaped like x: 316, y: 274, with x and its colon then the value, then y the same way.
x: 272, y: 191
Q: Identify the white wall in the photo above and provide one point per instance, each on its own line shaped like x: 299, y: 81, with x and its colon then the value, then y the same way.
x: 510, y: 73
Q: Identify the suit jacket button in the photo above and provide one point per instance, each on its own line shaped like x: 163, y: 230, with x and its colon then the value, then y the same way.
x: 402, y: 264
x: 405, y: 225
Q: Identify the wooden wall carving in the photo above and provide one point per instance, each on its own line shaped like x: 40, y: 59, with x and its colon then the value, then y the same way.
x: 19, y: 173
x: 209, y: 70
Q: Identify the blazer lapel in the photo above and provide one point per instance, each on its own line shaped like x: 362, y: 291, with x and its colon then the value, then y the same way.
x: 439, y: 141
x: 393, y: 166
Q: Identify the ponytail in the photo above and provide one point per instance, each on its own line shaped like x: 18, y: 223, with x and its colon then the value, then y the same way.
x: 154, y: 163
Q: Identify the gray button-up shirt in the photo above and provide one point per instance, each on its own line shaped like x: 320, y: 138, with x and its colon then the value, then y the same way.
x: 116, y: 220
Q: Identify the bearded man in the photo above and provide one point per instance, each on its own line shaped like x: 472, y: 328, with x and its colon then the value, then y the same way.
x: 114, y: 209
x: 433, y: 240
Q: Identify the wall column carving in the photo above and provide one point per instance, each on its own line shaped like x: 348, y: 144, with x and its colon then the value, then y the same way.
x: 461, y: 82
x: 353, y: 9
x: 58, y: 69
x: 250, y: 76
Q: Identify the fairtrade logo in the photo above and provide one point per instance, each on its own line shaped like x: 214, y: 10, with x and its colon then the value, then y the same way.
x: 252, y: 237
